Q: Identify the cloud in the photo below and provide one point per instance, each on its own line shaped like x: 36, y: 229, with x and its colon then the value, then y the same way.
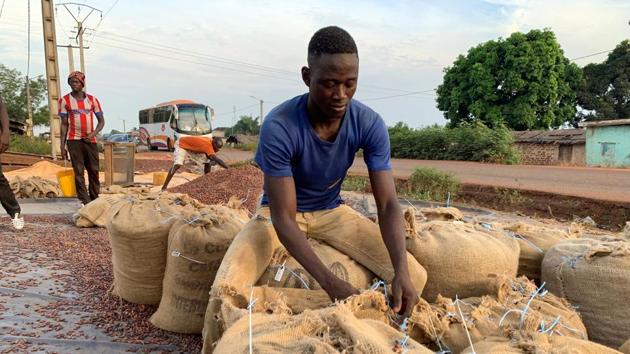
x: 403, y: 46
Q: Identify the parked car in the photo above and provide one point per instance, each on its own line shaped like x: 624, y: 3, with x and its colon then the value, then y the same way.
x: 123, y: 138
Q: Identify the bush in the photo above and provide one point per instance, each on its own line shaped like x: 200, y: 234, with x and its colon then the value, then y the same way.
x: 20, y: 143
x: 247, y: 146
x: 428, y: 183
x: 424, y: 184
x: 356, y: 184
x: 467, y: 142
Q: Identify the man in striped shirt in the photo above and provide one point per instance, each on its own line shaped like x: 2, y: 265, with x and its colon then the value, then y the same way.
x: 77, y: 111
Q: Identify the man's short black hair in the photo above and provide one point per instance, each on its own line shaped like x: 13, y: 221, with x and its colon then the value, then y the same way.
x: 331, y: 40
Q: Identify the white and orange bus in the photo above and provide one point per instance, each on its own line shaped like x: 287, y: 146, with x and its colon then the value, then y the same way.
x: 162, y: 125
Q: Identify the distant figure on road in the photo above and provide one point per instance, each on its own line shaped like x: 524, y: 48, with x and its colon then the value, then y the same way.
x: 77, y: 110
x: 9, y: 203
x: 199, y: 149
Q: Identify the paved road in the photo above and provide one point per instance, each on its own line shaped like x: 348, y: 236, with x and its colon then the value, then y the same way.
x: 596, y: 183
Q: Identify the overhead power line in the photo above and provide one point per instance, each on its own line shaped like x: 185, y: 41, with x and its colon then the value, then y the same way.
x: 592, y: 55
x: 423, y: 93
x: 2, y: 8
x: 194, y: 62
x: 101, y: 20
x: 193, y: 53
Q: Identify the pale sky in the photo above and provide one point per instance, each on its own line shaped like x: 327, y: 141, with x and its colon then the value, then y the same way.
x: 222, y: 52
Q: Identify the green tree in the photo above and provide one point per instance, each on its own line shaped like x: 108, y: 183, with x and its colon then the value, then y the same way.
x: 13, y: 91
x: 246, y: 125
x: 524, y: 82
x: 605, y: 93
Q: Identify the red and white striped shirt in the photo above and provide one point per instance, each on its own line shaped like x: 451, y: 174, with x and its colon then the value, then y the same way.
x: 80, y: 114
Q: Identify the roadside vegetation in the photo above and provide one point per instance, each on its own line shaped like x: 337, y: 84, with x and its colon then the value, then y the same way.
x: 466, y: 142
x: 425, y: 183
x: 20, y: 143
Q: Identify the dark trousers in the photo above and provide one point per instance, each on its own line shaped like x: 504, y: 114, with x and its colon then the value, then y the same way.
x: 7, y: 198
x: 84, y: 156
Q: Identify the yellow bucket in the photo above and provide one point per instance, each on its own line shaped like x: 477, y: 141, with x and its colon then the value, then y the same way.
x: 66, y: 183
x: 159, y: 178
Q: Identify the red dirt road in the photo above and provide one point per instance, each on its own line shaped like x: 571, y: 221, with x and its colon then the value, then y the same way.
x: 596, y: 183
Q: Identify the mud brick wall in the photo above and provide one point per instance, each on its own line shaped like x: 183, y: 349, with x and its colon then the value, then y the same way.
x: 538, y: 154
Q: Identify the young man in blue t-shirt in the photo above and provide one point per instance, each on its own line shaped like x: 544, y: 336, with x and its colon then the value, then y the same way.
x: 306, y: 146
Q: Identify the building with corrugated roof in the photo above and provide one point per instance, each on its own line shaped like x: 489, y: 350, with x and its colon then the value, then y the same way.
x: 551, y: 147
x: 608, y: 143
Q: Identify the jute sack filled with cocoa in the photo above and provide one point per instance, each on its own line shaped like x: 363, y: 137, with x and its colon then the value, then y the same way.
x: 360, y: 323
x: 97, y: 212
x: 516, y: 306
x: 138, y: 233
x: 538, y: 343
x: 285, y: 272
x: 441, y: 214
x: 253, y: 249
x: 594, y: 275
x: 534, y: 241
x: 460, y: 259
x: 196, y: 246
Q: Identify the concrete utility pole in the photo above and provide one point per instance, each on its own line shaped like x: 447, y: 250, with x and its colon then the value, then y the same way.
x: 80, y: 31
x: 52, y: 74
x: 70, y: 59
x: 29, y: 109
x: 261, y: 107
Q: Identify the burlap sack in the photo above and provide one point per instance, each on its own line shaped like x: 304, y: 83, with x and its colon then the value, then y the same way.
x: 252, y: 251
x: 96, y: 212
x: 539, y: 343
x: 441, y: 214
x: 360, y: 323
x: 460, y: 259
x: 196, y: 246
x: 534, y: 241
x: 625, y: 347
x: 34, y: 187
x: 295, y: 276
x: 516, y: 307
x: 138, y: 230
x: 593, y: 275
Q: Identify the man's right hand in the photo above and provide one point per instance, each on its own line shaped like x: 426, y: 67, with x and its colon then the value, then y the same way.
x: 339, y: 289
x: 64, y: 153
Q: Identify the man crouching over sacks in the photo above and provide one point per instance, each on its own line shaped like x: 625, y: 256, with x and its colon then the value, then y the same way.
x: 307, y: 144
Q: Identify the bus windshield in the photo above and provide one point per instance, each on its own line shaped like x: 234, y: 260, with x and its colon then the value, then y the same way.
x: 193, y: 119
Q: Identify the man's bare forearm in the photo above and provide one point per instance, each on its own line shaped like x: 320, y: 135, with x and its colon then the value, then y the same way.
x: 99, y: 126
x: 391, y: 225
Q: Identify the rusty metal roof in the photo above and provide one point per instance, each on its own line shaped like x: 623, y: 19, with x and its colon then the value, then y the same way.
x: 558, y: 136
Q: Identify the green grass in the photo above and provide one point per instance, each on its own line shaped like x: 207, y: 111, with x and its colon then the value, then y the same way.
x: 356, y: 184
x: 20, y: 143
x: 428, y: 183
x: 424, y: 184
x: 247, y: 146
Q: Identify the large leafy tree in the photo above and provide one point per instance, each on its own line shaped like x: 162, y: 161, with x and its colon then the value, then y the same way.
x: 246, y: 125
x: 13, y: 91
x: 605, y: 93
x: 523, y: 82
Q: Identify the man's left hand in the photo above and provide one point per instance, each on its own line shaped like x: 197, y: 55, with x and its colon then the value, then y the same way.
x: 404, y: 295
x: 5, y: 138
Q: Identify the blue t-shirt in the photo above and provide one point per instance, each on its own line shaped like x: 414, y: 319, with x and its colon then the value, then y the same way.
x: 289, y: 146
